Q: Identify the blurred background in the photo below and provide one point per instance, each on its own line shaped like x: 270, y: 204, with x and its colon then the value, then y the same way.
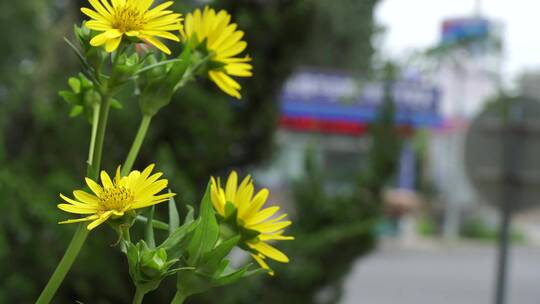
x: 359, y: 121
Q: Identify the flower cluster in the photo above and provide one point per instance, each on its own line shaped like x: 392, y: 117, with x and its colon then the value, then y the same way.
x: 127, y: 46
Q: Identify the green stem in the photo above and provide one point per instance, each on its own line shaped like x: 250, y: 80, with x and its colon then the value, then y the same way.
x: 95, y: 121
x: 78, y: 240
x: 136, y: 146
x: 139, y: 295
x: 179, y: 297
x: 65, y: 264
x: 100, y: 137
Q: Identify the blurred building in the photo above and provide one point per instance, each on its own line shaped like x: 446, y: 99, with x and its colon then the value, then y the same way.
x: 468, y: 73
x: 327, y: 113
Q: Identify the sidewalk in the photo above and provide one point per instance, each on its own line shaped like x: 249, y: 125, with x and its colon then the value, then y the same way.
x: 435, y: 273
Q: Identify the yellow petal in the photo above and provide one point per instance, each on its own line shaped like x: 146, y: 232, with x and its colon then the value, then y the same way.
x: 118, y: 177
x: 102, y: 218
x: 94, y: 186
x: 83, y: 219
x: 219, y: 79
x: 230, y: 188
x: 243, y: 197
x: 219, y: 205
x: 94, y: 15
x: 97, y: 25
x: 106, y: 180
x: 107, y: 6
x: 233, y: 50
x: 262, y: 215
x: 112, y: 44
x: 99, y: 39
x: 262, y: 263
x: 232, y: 41
x: 257, y: 202
x: 152, y: 188
x: 268, y: 227
x: 227, y: 32
x: 113, y: 33
x: 162, y: 34
x: 239, y: 69
x: 269, y: 251
x: 100, y: 9
x: 275, y: 237
x: 76, y: 209
x: 156, y: 10
x: 86, y: 198
x: 158, y: 44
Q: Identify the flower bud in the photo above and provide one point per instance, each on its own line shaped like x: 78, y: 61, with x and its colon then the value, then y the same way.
x: 148, y: 266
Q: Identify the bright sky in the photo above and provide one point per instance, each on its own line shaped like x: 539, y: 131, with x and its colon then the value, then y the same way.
x: 415, y: 24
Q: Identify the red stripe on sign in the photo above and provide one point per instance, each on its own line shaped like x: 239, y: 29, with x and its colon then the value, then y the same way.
x: 323, y: 126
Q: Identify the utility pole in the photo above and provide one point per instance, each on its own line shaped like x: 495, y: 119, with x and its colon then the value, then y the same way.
x: 478, y: 8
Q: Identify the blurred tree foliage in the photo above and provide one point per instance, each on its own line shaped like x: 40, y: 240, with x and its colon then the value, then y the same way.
x: 42, y: 151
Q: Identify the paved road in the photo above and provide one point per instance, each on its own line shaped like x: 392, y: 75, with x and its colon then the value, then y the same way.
x: 439, y: 274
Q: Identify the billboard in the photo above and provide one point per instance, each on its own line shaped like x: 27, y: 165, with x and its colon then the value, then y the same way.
x: 458, y: 30
x: 337, y: 99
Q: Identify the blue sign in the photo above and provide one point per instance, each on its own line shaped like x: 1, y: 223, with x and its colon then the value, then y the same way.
x: 338, y: 96
x: 465, y: 29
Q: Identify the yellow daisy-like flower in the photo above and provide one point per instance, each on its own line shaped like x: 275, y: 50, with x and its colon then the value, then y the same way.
x: 116, y: 197
x: 132, y: 18
x: 250, y: 217
x: 225, y: 42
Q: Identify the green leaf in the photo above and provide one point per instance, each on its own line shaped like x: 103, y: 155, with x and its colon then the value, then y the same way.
x: 76, y: 110
x: 230, y: 209
x: 207, y: 233
x: 149, y: 229
x: 174, y: 221
x: 116, y: 104
x: 70, y: 97
x: 213, y: 258
x: 189, y: 216
x: 74, y: 84
x: 79, y: 55
x: 180, y: 67
x: 157, y: 224
x: 176, y: 243
x: 86, y: 84
x: 232, y: 277
x: 132, y: 255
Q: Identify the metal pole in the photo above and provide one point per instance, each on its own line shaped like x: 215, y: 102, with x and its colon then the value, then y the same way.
x: 510, y: 143
x: 502, y: 264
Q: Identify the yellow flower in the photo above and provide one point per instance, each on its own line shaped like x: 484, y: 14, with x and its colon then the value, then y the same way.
x: 250, y: 217
x: 225, y: 42
x: 132, y: 18
x: 116, y: 197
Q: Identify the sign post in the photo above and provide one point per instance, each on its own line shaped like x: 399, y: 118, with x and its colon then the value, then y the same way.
x: 501, y: 150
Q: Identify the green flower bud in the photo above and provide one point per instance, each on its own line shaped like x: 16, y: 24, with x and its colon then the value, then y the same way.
x: 153, y: 263
x: 82, y: 97
x: 148, y: 266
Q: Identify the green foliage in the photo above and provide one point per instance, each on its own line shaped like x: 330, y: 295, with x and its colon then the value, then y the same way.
x: 42, y: 157
x: 478, y: 229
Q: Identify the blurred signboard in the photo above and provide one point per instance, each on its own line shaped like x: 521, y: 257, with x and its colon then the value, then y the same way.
x: 465, y: 29
x: 341, y: 102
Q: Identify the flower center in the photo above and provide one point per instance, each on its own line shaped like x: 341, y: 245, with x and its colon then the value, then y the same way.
x: 128, y: 18
x: 116, y: 198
